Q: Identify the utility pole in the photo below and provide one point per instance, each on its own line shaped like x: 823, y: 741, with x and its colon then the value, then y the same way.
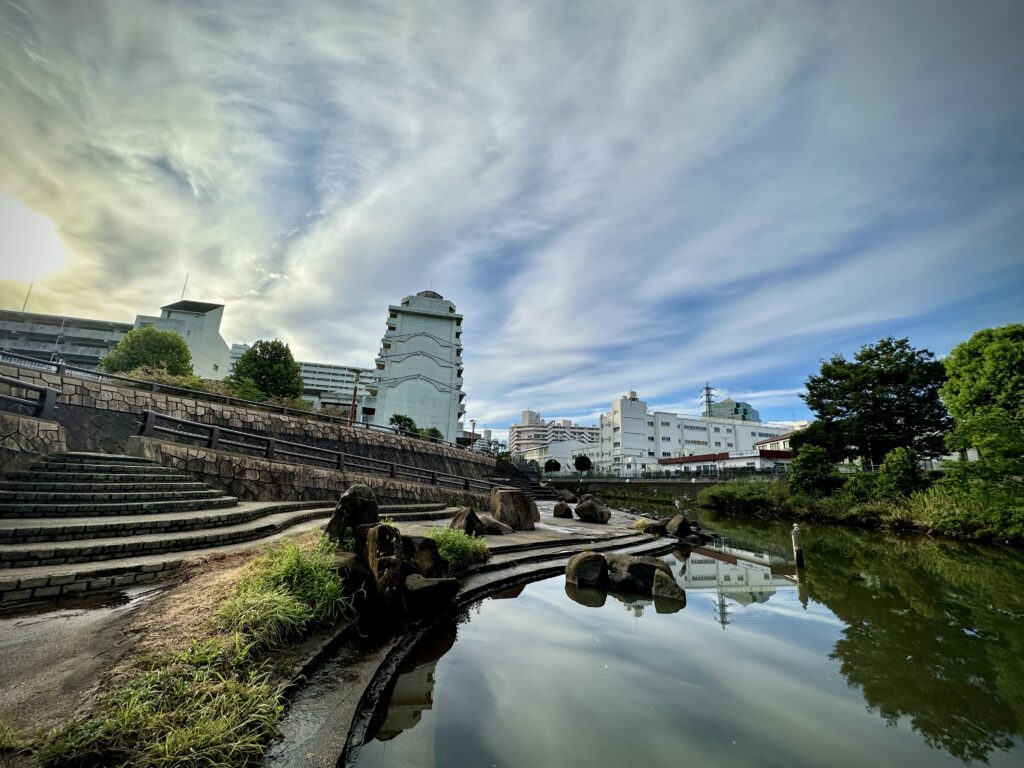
x: 25, y: 304
x: 472, y: 433
x: 355, y: 387
x: 708, y: 398
x: 183, y: 287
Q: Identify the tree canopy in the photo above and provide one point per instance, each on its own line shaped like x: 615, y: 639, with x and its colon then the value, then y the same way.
x: 986, y: 371
x: 582, y: 463
x: 431, y: 433
x: 552, y: 465
x: 403, y: 423
x: 149, y: 348
x: 886, y: 397
x: 270, y: 367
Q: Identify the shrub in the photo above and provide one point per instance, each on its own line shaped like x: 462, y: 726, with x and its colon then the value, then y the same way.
x: 759, y: 500
x: 812, y: 472
x: 150, y: 348
x: 244, y: 388
x: 899, y: 475
x: 582, y: 463
x: 308, y: 575
x: 458, y: 549
x: 860, y: 487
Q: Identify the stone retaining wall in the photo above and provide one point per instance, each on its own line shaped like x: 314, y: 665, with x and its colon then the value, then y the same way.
x: 102, y: 417
x: 255, y: 479
x: 24, y: 439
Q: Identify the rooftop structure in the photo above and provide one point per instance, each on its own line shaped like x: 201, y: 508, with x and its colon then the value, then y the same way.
x: 730, y: 409
x: 198, y: 323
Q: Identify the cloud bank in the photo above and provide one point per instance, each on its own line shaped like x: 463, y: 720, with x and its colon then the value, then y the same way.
x: 616, y: 195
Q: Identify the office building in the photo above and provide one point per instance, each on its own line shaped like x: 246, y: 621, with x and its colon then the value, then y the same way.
x: 419, y: 367
x: 533, y: 433
x: 75, y: 341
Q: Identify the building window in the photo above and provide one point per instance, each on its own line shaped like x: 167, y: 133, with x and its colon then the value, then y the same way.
x: 650, y: 439
x: 650, y: 453
x: 664, y: 423
x: 728, y: 445
x: 666, y: 439
x: 650, y: 423
x: 616, y: 445
x: 717, y: 429
x: 718, y: 444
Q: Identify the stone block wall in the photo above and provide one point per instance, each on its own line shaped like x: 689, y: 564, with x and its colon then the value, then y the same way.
x: 256, y: 479
x: 102, y: 417
x: 24, y: 439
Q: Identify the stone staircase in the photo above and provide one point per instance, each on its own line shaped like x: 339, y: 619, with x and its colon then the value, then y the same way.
x: 78, y: 522
x: 513, y: 477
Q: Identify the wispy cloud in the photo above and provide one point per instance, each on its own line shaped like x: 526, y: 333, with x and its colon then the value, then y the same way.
x: 616, y: 196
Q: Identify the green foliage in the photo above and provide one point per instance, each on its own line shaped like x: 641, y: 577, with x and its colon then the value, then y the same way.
x: 308, y: 575
x: 149, y: 348
x: 886, y: 397
x: 745, y: 499
x: 552, y: 465
x: 640, y: 524
x: 266, y: 616
x: 458, y: 549
x: 986, y: 372
x: 195, y: 709
x: 11, y: 740
x: 982, y: 513
x: 270, y: 367
x: 533, y: 465
x: 244, y: 388
x: 899, y: 476
x: 582, y: 463
x: 860, y: 487
x: 403, y: 424
x: 812, y: 472
x: 431, y: 433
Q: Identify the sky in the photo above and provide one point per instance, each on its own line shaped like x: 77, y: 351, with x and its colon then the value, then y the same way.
x: 616, y: 195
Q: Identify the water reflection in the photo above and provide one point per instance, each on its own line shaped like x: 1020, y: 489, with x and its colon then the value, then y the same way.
x: 929, y: 636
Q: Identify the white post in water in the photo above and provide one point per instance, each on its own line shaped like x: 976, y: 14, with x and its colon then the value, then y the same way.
x: 798, y: 547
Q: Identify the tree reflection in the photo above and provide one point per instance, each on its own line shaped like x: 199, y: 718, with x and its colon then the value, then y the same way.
x: 935, y: 633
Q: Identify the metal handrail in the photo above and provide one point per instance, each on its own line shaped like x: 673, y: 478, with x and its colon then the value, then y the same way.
x: 62, y: 369
x: 216, y: 438
x: 41, y: 407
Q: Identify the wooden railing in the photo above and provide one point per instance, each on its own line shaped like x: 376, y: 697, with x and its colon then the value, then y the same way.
x: 220, y: 438
x: 41, y: 405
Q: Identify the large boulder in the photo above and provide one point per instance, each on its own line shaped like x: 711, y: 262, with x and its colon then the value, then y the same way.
x: 383, y: 555
x: 514, y: 508
x: 429, y: 597
x: 357, y: 506
x: 679, y: 527
x: 494, y: 527
x: 567, y: 496
x: 668, y: 596
x: 587, y: 569
x: 421, y: 556
x: 562, y: 510
x: 633, y: 573
x: 467, y: 521
x: 656, y: 528
x: 592, y: 511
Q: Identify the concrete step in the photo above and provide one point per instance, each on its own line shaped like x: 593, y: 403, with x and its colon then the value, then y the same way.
x: 10, y: 511
x: 118, y: 496
x: 111, y: 468
x: 20, y: 585
x: 38, y: 530
x: 86, y: 487
x: 83, y: 457
x: 16, y: 556
x: 415, y: 515
x: 149, y: 475
x: 387, y: 509
x: 497, y: 549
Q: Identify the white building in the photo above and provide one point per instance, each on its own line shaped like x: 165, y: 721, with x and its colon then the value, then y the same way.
x: 483, y: 441
x: 419, y: 367
x: 759, y: 459
x: 562, y: 451
x: 534, y: 433
x: 75, y: 341
x: 327, y: 384
x: 198, y: 323
x: 633, y: 438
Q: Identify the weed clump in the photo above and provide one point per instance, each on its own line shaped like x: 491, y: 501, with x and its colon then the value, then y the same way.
x: 458, y: 549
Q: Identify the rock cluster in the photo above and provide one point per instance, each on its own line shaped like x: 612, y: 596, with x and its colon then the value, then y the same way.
x: 403, y: 573
x: 514, y: 508
x: 647, y: 576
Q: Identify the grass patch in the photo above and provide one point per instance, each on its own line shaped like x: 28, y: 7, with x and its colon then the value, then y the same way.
x: 11, y: 739
x: 458, y: 549
x: 216, y: 702
x: 640, y: 524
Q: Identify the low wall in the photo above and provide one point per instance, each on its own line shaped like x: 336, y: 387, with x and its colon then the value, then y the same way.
x: 255, y: 479
x: 102, y: 417
x: 641, y: 488
x: 24, y: 439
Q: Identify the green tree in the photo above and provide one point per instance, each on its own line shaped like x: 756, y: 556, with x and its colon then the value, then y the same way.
x: 270, y: 367
x: 552, y: 465
x: 431, y: 433
x: 986, y: 371
x: 149, y: 348
x: 886, y: 397
x: 582, y: 463
x: 813, y: 473
x: 899, y: 476
x: 403, y: 424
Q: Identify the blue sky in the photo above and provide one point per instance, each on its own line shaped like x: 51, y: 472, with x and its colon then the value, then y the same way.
x: 616, y: 195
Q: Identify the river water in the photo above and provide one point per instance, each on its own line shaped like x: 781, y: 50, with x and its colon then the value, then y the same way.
x: 889, y: 652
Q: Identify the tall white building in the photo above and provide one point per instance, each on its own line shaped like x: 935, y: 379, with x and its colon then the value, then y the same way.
x: 533, y: 433
x: 327, y: 384
x: 198, y: 323
x: 419, y: 367
x: 631, y: 437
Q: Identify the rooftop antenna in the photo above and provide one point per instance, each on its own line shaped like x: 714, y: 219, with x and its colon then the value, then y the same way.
x: 29, y: 293
x: 184, y: 287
